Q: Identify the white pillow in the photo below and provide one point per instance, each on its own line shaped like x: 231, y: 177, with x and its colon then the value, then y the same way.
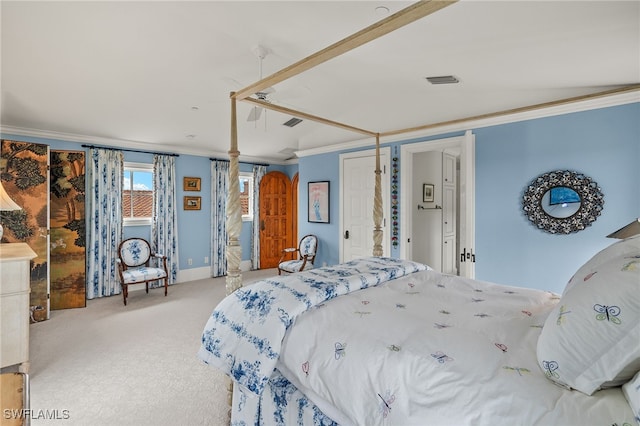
x: 631, y: 391
x: 624, y: 247
x: 591, y: 339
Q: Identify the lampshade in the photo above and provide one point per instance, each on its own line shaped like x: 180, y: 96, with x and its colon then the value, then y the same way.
x: 6, y: 203
x: 627, y: 231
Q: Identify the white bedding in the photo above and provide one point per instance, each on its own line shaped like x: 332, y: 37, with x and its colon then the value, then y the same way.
x: 433, y: 349
x: 421, y: 349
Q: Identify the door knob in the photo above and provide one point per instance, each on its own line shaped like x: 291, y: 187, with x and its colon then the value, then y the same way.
x: 262, y: 225
x: 346, y: 235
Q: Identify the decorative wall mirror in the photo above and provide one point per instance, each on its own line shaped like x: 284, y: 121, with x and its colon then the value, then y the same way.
x: 562, y: 202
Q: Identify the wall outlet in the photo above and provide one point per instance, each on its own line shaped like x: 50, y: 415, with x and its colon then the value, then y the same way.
x: 189, y: 261
x: 206, y: 260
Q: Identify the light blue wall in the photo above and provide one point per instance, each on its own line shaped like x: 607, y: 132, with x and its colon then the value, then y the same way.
x: 323, y: 167
x: 604, y: 144
x: 194, y: 226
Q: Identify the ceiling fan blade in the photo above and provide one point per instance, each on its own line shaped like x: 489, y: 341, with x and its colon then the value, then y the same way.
x: 255, y: 113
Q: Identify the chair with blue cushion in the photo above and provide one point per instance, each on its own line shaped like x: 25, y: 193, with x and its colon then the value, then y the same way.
x: 134, y: 265
x: 307, y: 254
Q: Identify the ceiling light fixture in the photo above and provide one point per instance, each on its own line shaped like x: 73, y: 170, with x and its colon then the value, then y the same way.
x: 382, y: 10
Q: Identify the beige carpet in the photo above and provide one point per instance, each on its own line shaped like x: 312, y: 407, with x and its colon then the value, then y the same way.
x: 110, y: 364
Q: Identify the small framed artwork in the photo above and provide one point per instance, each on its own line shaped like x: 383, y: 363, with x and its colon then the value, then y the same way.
x: 191, y: 183
x: 318, y: 202
x: 427, y: 193
x: 192, y: 203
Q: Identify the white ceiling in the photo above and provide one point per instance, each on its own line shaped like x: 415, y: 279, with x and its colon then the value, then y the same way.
x: 131, y: 73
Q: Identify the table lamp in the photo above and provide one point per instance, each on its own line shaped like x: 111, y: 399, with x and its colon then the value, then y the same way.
x: 6, y: 204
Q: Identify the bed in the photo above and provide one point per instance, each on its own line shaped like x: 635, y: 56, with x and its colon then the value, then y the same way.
x: 381, y: 341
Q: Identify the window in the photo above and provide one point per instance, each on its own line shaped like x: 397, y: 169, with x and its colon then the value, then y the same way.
x: 137, y: 194
x: 246, y: 196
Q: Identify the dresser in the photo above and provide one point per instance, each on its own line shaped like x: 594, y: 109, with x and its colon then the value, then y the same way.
x: 14, y: 304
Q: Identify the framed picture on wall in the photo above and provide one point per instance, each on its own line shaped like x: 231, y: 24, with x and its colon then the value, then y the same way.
x: 427, y: 193
x: 192, y: 203
x: 191, y: 183
x: 318, y: 193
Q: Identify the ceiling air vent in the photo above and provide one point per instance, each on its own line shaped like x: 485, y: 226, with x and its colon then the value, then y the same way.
x: 443, y: 79
x: 292, y: 122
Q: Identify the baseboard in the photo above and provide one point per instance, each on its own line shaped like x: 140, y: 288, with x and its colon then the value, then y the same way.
x: 194, y: 274
x: 245, y: 265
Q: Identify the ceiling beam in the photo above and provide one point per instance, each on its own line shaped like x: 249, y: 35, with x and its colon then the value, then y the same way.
x: 406, y: 16
x: 306, y: 116
x: 625, y: 89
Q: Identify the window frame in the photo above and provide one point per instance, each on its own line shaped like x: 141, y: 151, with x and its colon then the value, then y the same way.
x: 249, y: 177
x: 129, y: 166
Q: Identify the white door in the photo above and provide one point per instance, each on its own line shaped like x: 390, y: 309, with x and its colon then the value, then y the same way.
x: 357, y: 190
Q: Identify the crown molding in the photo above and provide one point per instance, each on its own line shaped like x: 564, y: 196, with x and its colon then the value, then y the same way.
x: 129, y: 144
x: 470, y: 124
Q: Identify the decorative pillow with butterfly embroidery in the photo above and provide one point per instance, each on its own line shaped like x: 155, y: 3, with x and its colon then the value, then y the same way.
x: 591, y: 338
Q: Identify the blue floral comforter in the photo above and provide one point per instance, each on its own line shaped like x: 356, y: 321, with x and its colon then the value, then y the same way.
x: 243, y: 336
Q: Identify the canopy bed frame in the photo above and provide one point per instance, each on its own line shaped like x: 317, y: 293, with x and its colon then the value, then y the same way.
x: 404, y: 17
x: 385, y: 26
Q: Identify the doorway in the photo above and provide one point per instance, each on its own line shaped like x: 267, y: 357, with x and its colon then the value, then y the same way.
x: 462, y: 250
x: 276, y: 218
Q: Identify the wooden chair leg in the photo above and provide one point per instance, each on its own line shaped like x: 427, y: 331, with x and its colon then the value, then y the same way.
x: 124, y: 294
x: 147, y: 285
x: 166, y: 286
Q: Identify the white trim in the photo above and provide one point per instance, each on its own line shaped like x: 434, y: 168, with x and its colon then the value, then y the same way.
x: 138, y: 221
x: 193, y: 274
x: 249, y: 177
x: 578, y: 106
x: 204, y: 272
x: 128, y: 144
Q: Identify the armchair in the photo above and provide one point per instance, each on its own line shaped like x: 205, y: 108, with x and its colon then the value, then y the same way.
x: 307, y: 254
x: 134, y: 255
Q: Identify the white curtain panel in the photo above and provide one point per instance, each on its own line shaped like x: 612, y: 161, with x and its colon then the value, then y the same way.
x: 219, y: 190
x: 164, y: 233
x: 104, y: 221
x: 258, y: 173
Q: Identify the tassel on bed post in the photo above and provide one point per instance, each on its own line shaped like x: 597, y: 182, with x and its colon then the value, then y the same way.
x: 377, y: 204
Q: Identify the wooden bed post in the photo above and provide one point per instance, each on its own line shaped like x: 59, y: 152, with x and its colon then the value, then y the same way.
x: 234, y: 217
x: 377, y: 204
x: 234, y: 225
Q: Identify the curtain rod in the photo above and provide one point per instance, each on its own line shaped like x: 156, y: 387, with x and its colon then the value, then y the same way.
x: 242, y: 162
x: 131, y: 150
